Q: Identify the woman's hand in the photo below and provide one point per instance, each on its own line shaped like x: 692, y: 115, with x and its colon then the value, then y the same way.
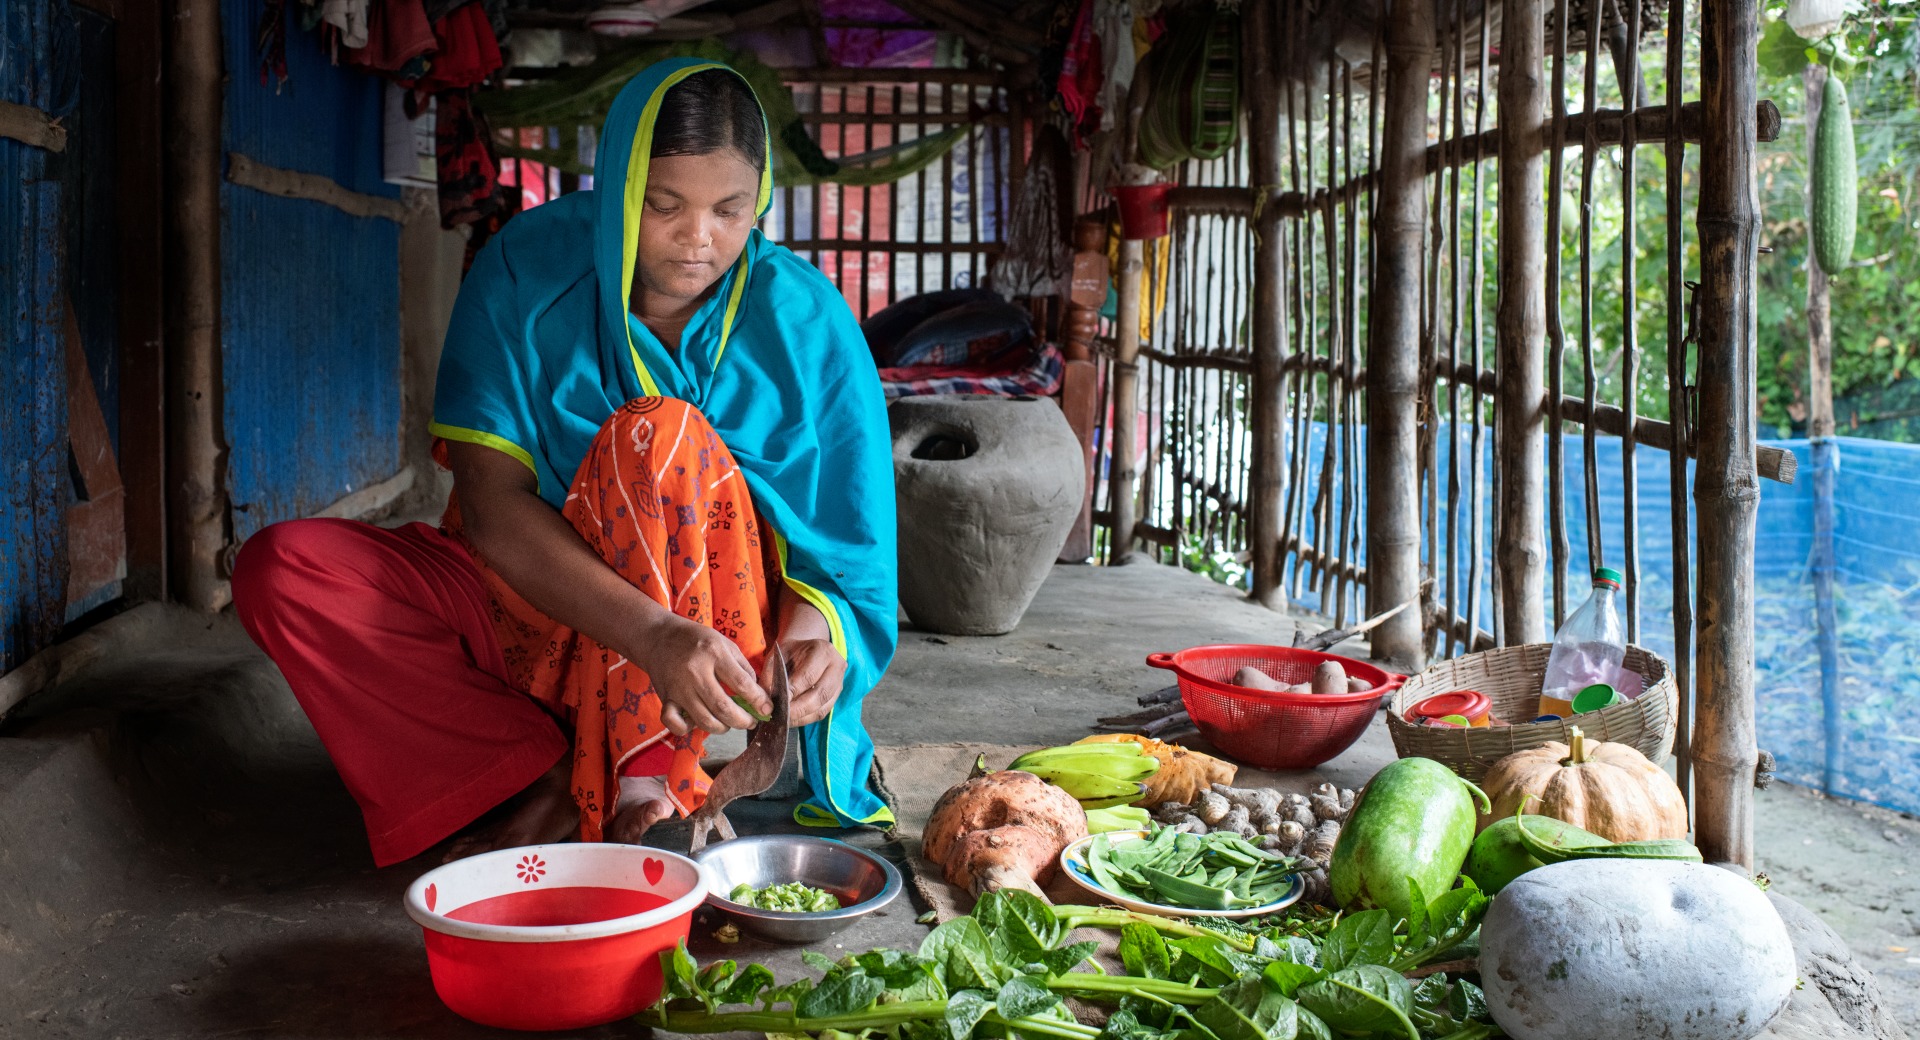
x: 815, y: 674
x: 697, y: 672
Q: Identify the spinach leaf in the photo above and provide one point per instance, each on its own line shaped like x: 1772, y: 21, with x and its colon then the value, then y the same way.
x: 1363, y: 938
x: 1025, y: 995
x: 841, y: 994
x: 965, y: 956
x: 1431, y: 993
x: 1249, y: 1010
x: 1144, y: 952
x: 1124, y: 1024
x: 817, y: 961
x: 892, y: 967
x: 1450, y: 919
x: 791, y: 994
x: 713, y: 977
x: 1416, y: 912
x: 1294, y: 949
x: 1288, y: 978
x: 1465, y: 1001
x: 683, y: 976
x: 1363, y: 999
x: 965, y: 1009
x: 1020, y: 921
x: 1207, y: 957
x: 745, y: 988
x: 1312, y: 1026
x: 1066, y: 958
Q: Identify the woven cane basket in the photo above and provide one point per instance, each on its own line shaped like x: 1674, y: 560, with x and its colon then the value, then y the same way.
x: 1511, y: 678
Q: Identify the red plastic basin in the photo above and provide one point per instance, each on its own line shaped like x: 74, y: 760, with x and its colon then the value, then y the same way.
x: 552, y: 937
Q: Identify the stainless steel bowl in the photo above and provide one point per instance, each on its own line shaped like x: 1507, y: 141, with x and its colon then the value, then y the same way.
x: 862, y: 881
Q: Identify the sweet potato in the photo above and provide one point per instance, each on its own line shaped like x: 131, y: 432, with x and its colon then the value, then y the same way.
x: 1183, y: 776
x: 1002, y: 830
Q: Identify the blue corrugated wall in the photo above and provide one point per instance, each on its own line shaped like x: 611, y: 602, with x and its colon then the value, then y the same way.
x: 35, y: 488
x: 310, y: 297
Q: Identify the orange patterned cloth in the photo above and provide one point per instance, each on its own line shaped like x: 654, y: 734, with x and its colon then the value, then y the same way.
x: 661, y: 499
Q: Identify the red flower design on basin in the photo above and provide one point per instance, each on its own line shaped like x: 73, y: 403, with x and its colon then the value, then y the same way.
x: 530, y: 869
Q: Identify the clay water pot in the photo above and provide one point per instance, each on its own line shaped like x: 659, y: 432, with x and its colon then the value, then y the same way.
x: 988, y: 488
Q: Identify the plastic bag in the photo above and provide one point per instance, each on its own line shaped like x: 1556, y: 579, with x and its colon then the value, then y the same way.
x: 1812, y: 19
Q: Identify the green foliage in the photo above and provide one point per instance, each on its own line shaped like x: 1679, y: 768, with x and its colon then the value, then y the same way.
x: 1005, y: 972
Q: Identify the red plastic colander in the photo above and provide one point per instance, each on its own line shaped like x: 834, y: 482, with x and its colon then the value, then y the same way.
x: 1274, y: 730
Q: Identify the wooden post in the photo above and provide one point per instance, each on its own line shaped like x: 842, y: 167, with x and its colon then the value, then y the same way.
x: 1393, y: 343
x: 1726, y: 488
x: 1121, y: 476
x: 1260, y: 47
x: 1521, y: 323
x: 1080, y: 383
x: 1826, y: 459
x: 198, y: 510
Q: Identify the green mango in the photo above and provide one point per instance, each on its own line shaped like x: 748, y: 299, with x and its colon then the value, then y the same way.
x: 1414, y: 819
x: 1497, y: 856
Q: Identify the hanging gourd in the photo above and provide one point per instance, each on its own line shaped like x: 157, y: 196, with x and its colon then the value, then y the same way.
x: 1836, y: 179
x: 1608, y: 789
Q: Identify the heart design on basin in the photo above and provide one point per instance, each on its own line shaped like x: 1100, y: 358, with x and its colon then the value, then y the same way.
x: 654, y: 869
x: 433, y: 895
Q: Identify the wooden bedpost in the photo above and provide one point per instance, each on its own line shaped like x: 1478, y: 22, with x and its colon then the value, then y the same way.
x: 1521, y: 324
x: 1393, y: 348
x: 1259, y: 47
x: 1726, y: 488
x: 197, y: 507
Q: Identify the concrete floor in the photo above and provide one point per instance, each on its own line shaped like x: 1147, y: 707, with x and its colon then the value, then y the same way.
x: 177, y: 858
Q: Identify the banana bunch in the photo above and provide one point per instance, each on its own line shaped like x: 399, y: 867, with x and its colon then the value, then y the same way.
x: 1099, y: 775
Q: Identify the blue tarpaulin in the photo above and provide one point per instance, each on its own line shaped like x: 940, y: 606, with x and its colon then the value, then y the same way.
x: 1871, y: 689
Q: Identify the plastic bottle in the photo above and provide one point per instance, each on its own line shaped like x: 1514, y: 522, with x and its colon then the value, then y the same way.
x: 1588, y: 649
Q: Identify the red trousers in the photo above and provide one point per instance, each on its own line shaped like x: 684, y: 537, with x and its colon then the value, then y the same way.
x: 440, y: 692
x: 386, y: 637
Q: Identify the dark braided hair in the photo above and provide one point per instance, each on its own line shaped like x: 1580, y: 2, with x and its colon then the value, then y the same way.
x: 708, y: 112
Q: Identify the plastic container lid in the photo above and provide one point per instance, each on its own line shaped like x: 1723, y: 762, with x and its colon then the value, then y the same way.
x: 1595, y: 697
x: 1607, y: 576
x: 1471, y: 704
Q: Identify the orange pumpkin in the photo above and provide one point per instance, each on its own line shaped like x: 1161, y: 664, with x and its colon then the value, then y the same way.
x: 1609, y: 789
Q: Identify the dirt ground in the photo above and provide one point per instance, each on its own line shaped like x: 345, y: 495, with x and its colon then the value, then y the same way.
x: 177, y: 858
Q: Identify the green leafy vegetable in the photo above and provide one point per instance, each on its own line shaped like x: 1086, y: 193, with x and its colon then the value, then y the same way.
x: 790, y: 898
x: 1363, y: 999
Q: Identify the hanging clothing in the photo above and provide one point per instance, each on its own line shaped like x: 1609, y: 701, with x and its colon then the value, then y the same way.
x: 543, y: 348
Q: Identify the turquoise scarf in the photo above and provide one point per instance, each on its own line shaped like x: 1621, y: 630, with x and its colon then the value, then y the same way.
x: 542, y: 349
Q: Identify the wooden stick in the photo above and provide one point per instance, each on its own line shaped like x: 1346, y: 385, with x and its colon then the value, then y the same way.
x: 1825, y: 452
x: 31, y: 126
x: 1259, y: 48
x: 198, y: 510
x: 1393, y: 347
x: 1605, y: 124
x: 293, y: 184
x: 1726, y: 487
x: 1126, y: 401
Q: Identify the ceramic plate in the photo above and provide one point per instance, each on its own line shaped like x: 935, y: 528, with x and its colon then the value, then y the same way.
x: 1073, y: 860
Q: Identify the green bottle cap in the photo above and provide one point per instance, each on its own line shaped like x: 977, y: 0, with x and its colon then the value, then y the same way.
x: 1607, y: 576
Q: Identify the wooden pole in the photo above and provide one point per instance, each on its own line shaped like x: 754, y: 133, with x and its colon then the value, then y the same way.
x: 1726, y: 488
x: 1121, y: 479
x: 1521, y: 323
x: 1826, y: 458
x: 198, y: 511
x: 1259, y: 45
x: 1393, y: 346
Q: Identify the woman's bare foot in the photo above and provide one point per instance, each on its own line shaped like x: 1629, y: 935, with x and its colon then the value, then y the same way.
x: 643, y: 803
x: 544, y: 812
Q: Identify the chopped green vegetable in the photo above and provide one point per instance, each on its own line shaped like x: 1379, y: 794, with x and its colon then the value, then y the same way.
x: 790, y: 898
x: 1219, y: 871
